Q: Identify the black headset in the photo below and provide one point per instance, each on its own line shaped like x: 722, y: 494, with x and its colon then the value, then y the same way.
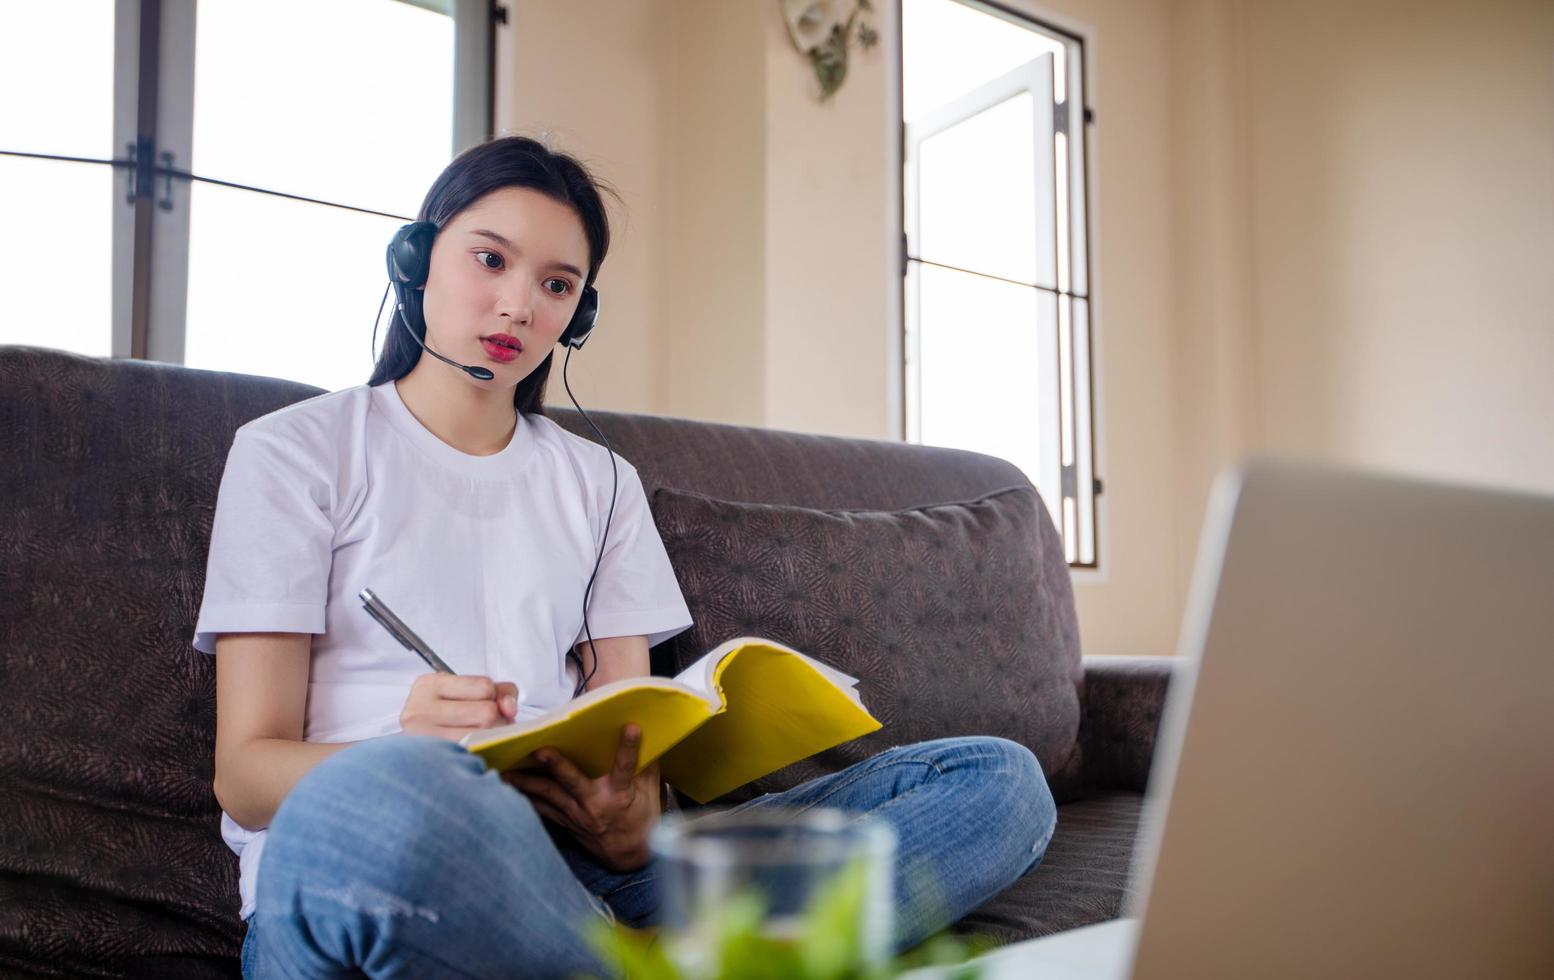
x: 409, y: 261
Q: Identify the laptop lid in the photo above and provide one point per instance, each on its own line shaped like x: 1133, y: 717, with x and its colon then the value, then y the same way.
x: 1364, y: 786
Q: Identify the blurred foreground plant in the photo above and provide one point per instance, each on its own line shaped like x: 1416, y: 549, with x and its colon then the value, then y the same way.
x: 827, y: 946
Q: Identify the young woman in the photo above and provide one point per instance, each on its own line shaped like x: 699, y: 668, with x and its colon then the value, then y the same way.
x: 368, y: 840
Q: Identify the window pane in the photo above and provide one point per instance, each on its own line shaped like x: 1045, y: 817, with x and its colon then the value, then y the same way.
x: 56, y: 254
x: 283, y: 288
x: 949, y: 49
x: 56, y: 76
x: 976, y: 193
x: 997, y: 187
x: 979, y: 367
x: 360, y: 112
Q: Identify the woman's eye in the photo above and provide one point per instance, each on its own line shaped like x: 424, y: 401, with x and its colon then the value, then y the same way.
x: 562, y: 283
x: 481, y: 258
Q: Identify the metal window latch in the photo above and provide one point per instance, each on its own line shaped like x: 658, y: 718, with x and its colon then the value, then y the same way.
x: 142, y: 173
x: 1069, y: 482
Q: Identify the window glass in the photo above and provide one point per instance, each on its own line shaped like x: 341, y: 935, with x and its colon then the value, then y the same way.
x: 56, y: 96
x: 348, y: 101
x: 987, y: 224
x: 284, y: 288
x: 948, y: 49
x: 977, y: 357
x: 362, y: 116
x: 56, y: 76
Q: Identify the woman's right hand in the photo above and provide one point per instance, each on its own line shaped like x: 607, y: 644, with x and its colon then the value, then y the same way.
x: 451, y: 706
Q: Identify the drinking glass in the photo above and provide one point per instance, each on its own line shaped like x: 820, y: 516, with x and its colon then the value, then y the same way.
x: 787, y: 859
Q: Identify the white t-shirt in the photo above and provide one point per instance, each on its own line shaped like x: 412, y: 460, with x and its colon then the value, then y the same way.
x: 484, y: 557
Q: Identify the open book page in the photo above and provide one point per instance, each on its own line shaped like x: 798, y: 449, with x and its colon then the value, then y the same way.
x: 781, y: 706
x: 746, y: 708
x: 587, y: 729
x: 702, y: 675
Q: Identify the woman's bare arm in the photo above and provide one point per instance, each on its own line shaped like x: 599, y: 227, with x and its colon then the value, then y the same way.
x: 261, y: 697
x: 619, y: 656
x: 261, y: 700
x: 622, y: 656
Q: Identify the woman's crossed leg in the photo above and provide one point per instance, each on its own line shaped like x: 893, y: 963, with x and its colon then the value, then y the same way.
x: 404, y: 856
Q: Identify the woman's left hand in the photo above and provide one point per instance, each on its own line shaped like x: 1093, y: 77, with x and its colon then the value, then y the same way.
x: 611, y: 816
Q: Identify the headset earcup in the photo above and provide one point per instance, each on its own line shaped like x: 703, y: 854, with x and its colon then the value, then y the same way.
x: 410, y: 253
x: 583, y: 319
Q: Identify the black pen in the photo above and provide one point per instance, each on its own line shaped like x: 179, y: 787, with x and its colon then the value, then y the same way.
x: 404, y: 634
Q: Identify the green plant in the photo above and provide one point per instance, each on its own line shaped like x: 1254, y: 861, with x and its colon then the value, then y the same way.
x: 828, y: 945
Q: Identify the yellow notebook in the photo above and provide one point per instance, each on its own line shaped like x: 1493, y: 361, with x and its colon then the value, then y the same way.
x: 747, y: 708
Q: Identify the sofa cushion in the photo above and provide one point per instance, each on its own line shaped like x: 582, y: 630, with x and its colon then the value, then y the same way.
x: 1085, y: 875
x: 111, y: 858
x: 947, y: 614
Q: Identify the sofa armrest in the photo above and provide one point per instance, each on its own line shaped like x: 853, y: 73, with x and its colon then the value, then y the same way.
x: 1123, y: 698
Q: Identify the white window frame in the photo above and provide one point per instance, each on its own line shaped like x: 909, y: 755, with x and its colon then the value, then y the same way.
x: 1069, y: 381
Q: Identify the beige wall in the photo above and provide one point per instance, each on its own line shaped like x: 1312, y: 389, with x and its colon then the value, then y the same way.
x: 830, y: 261
x: 1322, y: 227
x: 1404, y: 234
x: 599, y: 93
x: 1216, y: 396
x: 1364, y: 239
x: 712, y: 185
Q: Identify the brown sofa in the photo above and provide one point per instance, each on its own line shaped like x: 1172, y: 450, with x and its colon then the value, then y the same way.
x: 110, y: 859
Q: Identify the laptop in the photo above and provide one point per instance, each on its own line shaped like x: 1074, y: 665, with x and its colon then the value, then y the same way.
x: 1354, y: 775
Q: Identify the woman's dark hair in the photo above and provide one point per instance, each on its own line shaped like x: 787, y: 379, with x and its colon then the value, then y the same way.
x: 507, y: 161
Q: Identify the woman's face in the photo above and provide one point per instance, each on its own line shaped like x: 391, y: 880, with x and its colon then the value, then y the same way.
x: 508, y: 268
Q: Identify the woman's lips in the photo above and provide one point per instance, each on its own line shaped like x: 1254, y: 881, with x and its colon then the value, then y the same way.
x: 497, y: 352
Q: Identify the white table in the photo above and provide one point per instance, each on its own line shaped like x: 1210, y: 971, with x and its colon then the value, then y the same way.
x: 1103, y: 951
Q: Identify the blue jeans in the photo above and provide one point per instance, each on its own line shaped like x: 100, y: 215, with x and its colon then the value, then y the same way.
x: 404, y: 856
